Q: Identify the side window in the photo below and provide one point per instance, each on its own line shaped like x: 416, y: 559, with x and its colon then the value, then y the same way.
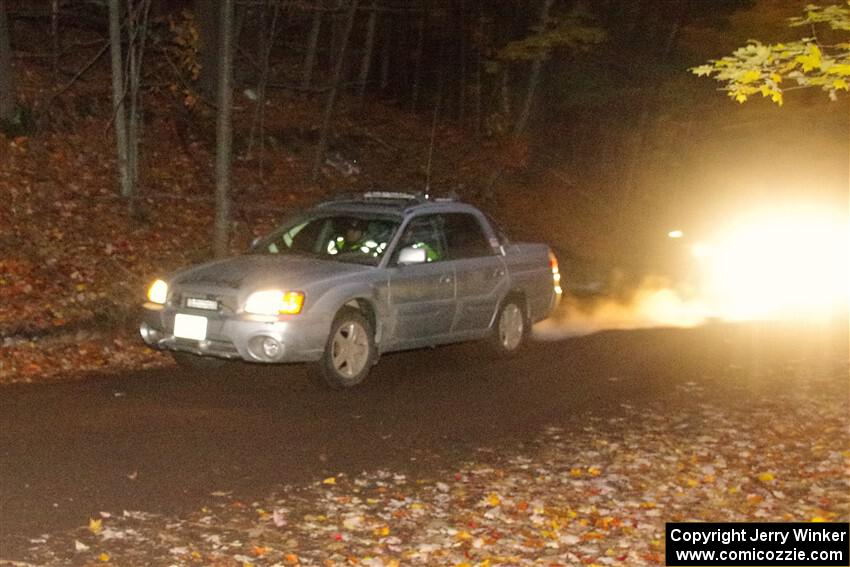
x: 423, y: 232
x: 464, y: 237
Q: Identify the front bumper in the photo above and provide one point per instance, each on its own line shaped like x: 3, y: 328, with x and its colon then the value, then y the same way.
x: 299, y: 338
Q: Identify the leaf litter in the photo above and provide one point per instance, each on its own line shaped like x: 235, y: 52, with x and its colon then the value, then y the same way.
x: 597, y: 495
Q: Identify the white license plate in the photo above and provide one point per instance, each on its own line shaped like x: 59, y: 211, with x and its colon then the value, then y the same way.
x: 190, y: 327
x: 198, y: 303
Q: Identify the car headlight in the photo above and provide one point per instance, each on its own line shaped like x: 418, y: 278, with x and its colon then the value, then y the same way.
x: 158, y: 292
x: 274, y: 302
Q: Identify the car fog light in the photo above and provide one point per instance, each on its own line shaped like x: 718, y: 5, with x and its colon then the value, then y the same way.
x: 149, y: 334
x: 271, y: 348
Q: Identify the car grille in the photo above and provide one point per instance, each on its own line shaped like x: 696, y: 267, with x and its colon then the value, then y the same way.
x: 204, y: 302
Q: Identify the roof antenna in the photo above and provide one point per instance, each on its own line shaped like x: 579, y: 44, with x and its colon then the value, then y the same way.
x: 431, y: 147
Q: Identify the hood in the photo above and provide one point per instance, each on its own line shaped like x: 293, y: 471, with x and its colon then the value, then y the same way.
x: 260, y: 271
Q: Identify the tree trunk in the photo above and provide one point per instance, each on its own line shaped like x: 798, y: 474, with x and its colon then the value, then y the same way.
x: 417, y: 69
x: 477, y: 93
x: 133, y: 116
x: 118, y: 108
x: 636, y: 154
x: 207, y: 16
x: 505, y: 91
x: 385, y: 56
x: 461, y: 36
x: 7, y: 79
x: 479, y: 86
x: 312, y: 44
x: 224, y: 131
x: 680, y: 13
x: 260, y: 111
x: 54, y: 36
x: 367, y: 51
x: 533, y: 77
x: 337, y: 21
x: 634, y: 17
x: 137, y: 31
x: 331, y: 101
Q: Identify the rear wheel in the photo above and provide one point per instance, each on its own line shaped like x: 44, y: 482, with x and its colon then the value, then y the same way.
x: 350, y: 350
x: 510, y: 329
x: 198, y: 363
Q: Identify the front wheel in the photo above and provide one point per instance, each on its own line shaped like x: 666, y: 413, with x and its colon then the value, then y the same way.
x: 510, y: 330
x: 350, y: 351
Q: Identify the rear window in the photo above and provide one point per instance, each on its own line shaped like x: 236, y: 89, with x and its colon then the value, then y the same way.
x: 465, y: 237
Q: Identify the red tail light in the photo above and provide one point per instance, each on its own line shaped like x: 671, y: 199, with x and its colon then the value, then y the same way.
x: 556, y: 273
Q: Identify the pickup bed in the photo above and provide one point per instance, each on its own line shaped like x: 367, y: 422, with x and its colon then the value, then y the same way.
x: 351, y: 279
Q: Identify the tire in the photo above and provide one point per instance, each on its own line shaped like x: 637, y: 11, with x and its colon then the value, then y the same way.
x: 510, y: 329
x: 197, y: 363
x: 350, y: 351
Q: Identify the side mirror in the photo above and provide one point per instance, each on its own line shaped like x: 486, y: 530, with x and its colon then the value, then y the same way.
x: 411, y: 255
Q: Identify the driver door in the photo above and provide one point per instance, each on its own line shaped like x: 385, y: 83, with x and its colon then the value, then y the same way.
x: 422, y: 296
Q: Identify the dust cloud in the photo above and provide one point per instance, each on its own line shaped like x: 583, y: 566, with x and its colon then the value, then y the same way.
x: 653, y: 303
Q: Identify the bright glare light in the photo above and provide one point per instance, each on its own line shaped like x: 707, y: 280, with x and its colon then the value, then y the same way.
x: 274, y: 302
x: 675, y: 234
x: 158, y: 292
x: 701, y: 250
x: 780, y: 265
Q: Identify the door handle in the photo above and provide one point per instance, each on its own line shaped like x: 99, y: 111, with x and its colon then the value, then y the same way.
x: 446, y: 279
x: 498, y: 273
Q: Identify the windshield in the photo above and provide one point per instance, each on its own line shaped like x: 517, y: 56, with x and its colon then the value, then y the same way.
x: 344, y: 237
